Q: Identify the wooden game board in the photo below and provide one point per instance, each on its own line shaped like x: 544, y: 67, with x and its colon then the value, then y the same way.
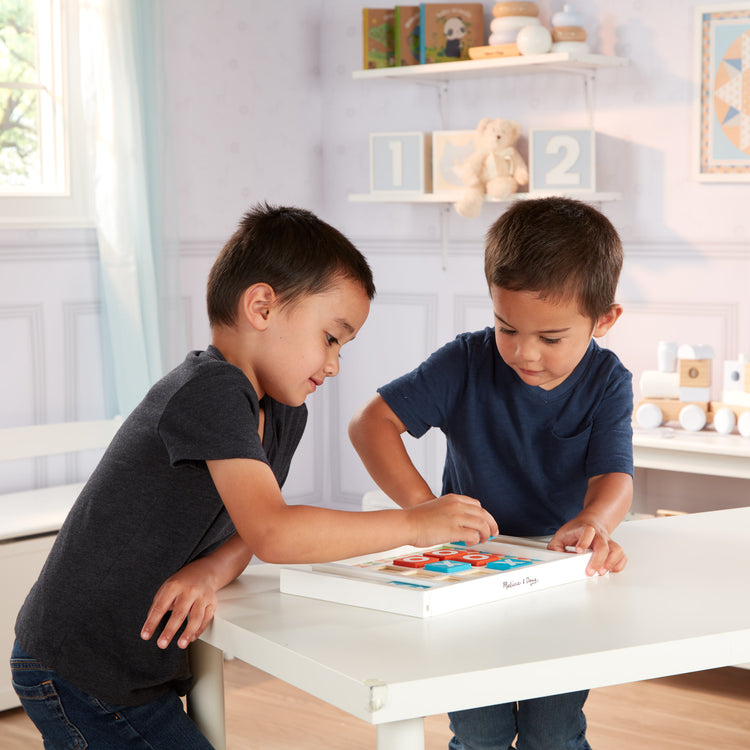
x: 423, y: 582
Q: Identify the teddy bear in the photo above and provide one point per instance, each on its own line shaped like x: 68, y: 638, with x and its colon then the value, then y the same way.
x: 495, y: 168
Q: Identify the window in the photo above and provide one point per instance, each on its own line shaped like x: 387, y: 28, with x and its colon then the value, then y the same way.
x: 42, y: 148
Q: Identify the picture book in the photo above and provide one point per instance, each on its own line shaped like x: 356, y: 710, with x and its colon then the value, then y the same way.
x: 377, y: 32
x: 448, y: 30
x: 406, y: 35
x: 423, y: 582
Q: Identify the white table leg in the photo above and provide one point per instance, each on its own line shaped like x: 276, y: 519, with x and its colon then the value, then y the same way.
x: 205, y: 701
x: 401, y: 735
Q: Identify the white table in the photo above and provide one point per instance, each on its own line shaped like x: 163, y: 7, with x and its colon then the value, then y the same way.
x: 703, y: 452
x: 681, y: 605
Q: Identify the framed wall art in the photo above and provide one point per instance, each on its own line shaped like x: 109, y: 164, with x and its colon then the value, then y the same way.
x: 722, y: 153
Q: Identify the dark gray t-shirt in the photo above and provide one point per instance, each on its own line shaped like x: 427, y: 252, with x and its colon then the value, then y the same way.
x: 149, y: 508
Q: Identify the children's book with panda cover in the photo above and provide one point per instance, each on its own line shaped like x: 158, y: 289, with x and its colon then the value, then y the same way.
x: 448, y: 30
x: 423, y: 582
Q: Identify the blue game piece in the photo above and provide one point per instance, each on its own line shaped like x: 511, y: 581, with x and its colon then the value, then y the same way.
x: 408, y: 584
x: 448, y: 566
x: 508, y: 563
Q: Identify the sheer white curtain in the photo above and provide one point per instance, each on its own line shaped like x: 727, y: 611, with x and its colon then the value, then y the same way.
x: 122, y: 45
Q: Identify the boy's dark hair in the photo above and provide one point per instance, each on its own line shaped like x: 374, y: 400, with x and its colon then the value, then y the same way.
x: 559, y: 247
x: 290, y: 249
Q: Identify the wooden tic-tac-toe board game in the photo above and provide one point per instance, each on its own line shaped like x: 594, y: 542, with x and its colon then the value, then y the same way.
x: 426, y: 582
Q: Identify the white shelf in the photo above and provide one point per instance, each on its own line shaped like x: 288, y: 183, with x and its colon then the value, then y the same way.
x: 448, y: 198
x: 565, y: 62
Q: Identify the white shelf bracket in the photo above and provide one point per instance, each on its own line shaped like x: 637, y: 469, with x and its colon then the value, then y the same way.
x: 589, y: 84
x: 442, y: 90
x: 445, y: 212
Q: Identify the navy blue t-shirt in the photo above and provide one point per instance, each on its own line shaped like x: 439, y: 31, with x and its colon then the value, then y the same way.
x: 524, y: 452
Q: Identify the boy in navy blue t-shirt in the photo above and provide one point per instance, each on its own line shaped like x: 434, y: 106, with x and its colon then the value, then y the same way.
x: 537, y: 419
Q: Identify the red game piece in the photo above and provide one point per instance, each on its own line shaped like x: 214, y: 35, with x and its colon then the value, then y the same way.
x: 479, y: 559
x: 446, y: 554
x: 413, y: 561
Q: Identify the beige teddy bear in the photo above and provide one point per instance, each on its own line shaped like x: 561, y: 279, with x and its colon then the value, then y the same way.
x: 495, y: 168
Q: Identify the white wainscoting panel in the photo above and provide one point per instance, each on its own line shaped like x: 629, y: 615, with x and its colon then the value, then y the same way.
x: 23, y: 381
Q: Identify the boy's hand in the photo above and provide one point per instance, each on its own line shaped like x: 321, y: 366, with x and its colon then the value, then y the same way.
x: 607, y: 555
x: 451, y: 518
x: 189, y: 597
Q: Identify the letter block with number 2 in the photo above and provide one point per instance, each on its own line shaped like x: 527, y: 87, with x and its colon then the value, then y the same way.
x: 562, y: 161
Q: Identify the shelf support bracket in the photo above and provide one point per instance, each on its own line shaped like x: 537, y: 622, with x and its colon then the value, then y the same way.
x: 589, y: 84
x: 445, y: 212
x: 442, y: 90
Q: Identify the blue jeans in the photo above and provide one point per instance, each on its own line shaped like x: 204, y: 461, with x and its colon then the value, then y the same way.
x: 69, y: 719
x: 553, y: 723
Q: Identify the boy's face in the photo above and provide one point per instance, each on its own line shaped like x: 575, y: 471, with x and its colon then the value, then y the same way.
x: 543, y: 341
x: 304, y: 340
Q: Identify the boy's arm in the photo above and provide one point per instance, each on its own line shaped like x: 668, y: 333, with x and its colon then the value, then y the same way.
x: 375, y: 432
x: 281, y: 533
x: 607, y: 500
x: 191, y: 593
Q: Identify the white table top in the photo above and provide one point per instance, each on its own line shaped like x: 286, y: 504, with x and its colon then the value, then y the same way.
x: 682, y: 604
x: 704, y: 452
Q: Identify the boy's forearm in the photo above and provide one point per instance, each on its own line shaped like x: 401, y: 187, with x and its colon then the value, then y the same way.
x: 227, y: 562
x: 312, y: 534
x: 608, y: 499
x: 376, y: 436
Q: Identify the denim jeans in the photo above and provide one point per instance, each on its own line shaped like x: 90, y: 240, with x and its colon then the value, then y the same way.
x: 553, y: 723
x: 69, y: 719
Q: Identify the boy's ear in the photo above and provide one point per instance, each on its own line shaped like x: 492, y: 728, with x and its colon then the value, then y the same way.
x: 607, y: 320
x: 256, y: 304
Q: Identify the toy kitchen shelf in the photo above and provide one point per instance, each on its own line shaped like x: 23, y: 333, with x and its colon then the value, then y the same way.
x: 440, y: 74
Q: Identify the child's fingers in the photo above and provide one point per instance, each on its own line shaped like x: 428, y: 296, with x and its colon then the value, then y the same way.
x: 197, y: 623
x: 159, y: 607
x: 477, y: 525
x: 586, y: 539
x: 177, y: 618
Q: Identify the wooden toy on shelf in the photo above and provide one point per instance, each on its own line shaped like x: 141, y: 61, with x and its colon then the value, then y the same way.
x: 400, y: 163
x: 568, y: 34
x: 508, y: 19
x: 680, y: 390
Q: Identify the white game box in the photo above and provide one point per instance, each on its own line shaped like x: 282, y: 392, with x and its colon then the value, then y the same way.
x: 423, y: 582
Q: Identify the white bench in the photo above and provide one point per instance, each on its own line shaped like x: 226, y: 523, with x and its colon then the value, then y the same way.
x: 29, y: 520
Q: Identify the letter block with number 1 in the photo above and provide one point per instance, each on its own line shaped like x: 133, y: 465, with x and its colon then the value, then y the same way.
x: 400, y: 163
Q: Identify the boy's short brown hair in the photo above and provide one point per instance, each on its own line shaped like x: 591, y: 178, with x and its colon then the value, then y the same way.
x: 562, y: 248
x: 290, y: 249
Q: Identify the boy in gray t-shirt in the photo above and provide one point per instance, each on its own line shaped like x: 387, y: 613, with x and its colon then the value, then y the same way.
x: 190, y: 488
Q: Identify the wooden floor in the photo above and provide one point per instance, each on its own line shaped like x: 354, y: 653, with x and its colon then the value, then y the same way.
x: 690, y: 712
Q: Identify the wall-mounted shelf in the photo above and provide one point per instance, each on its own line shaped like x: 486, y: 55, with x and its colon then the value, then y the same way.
x: 449, y: 198
x: 440, y: 74
x: 564, y: 62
